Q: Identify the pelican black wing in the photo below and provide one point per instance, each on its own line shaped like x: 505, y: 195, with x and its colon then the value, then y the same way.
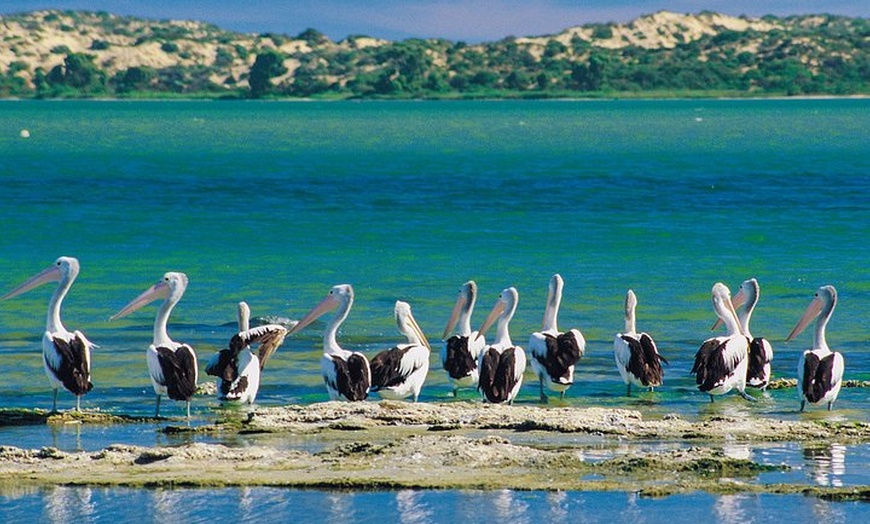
x: 74, y: 370
x: 386, y: 368
x: 459, y: 362
x: 352, y: 377
x: 179, y: 371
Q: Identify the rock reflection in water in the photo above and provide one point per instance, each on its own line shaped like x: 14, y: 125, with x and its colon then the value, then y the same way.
x: 827, y: 464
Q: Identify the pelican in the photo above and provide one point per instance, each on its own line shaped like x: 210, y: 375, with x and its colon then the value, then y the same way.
x: 637, y: 357
x: 760, y: 350
x: 399, y: 372
x: 820, y: 370
x: 172, y: 365
x: 554, y: 354
x: 501, y: 364
x: 237, y: 367
x: 720, y: 363
x: 460, y: 352
x: 347, y: 374
x: 66, y: 356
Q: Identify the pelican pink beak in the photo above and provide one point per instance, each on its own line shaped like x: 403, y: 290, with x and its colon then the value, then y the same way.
x: 454, y: 315
x: 158, y: 290
x: 404, y: 317
x: 811, y: 313
x: 738, y: 300
x: 49, y: 274
x: 326, y: 305
x: 497, y: 310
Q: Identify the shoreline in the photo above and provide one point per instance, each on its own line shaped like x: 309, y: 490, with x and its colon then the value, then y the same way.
x: 603, y: 98
x: 391, y: 445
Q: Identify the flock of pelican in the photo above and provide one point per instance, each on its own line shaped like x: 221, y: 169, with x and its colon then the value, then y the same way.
x: 722, y: 363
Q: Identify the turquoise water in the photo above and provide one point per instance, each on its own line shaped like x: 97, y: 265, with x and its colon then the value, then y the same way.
x: 273, y: 203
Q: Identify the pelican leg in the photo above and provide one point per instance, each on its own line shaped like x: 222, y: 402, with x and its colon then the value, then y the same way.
x: 561, y: 395
x: 78, y: 403
x: 188, y: 409
x: 747, y: 396
x: 455, y: 391
x: 541, y: 385
x: 830, y: 404
x: 157, y: 409
x: 712, y: 399
x: 628, y: 390
x: 803, y: 402
x: 54, y: 402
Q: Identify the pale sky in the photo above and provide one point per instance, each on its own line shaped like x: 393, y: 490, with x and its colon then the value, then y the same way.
x: 467, y: 20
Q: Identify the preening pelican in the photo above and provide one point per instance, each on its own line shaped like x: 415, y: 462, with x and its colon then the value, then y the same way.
x: 171, y: 365
x: 399, y: 372
x: 555, y: 354
x: 501, y: 364
x: 637, y: 357
x: 820, y: 370
x: 760, y: 350
x: 720, y: 363
x: 66, y: 356
x: 237, y: 368
x: 460, y: 353
x: 347, y: 374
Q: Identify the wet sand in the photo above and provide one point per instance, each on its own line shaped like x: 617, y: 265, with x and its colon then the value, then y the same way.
x: 459, y: 445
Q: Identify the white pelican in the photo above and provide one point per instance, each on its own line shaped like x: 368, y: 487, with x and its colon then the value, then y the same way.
x: 399, y: 372
x: 460, y: 352
x: 760, y: 350
x: 555, y: 354
x: 501, y: 364
x: 720, y: 363
x: 172, y: 365
x: 637, y: 357
x: 347, y: 374
x: 820, y: 370
x: 237, y: 368
x: 66, y: 356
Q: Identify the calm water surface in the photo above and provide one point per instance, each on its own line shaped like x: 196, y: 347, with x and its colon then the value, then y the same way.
x: 273, y: 203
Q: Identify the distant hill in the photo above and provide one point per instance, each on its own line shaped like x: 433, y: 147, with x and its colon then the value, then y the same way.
x: 87, y: 54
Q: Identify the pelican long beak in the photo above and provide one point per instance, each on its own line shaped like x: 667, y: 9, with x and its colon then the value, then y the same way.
x: 738, y: 300
x: 327, y: 304
x: 454, y: 316
x: 49, y: 274
x: 497, y: 310
x: 417, y: 331
x: 811, y: 313
x: 158, y: 290
x: 733, y: 312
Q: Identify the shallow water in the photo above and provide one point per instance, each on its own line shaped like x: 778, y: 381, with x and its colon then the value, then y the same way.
x: 64, y: 504
x: 273, y: 203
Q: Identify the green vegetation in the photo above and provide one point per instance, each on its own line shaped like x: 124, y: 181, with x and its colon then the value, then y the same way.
x: 801, y: 55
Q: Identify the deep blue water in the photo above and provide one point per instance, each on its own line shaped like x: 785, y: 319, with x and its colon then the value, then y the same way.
x: 273, y: 203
